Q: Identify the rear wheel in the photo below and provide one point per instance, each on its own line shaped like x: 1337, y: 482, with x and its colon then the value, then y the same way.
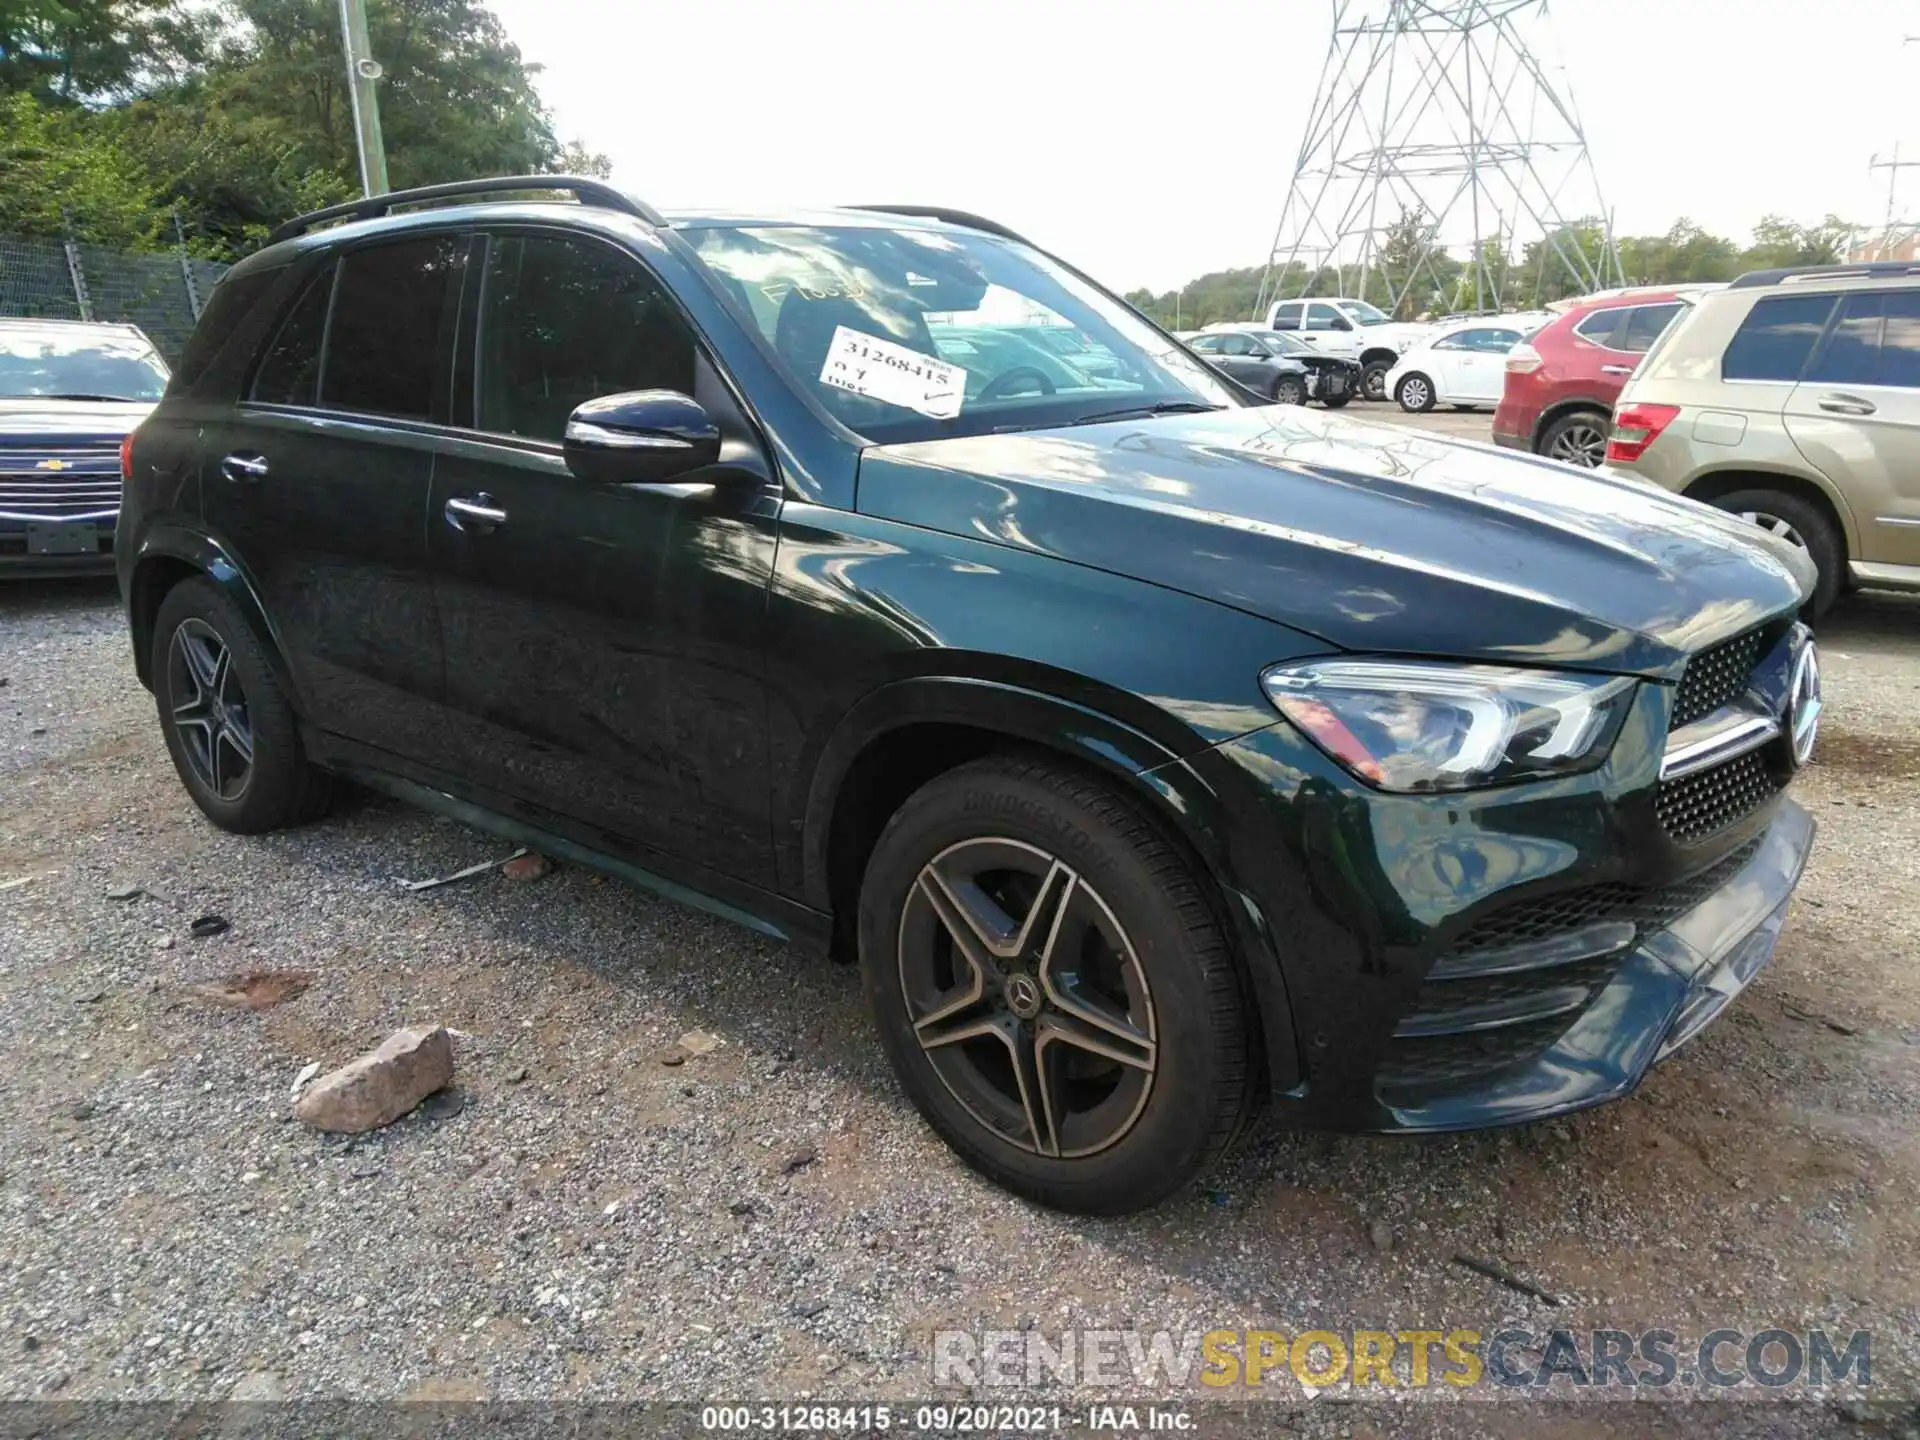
x: 228, y: 727
x: 1289, y: 390
x: 1415, y: 394
x: 1577, y: 439
x: 1336, y: 402
x: 1800, y: 523
x: 1053, y: 988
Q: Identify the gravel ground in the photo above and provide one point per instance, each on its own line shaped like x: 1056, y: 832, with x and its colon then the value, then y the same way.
x: 770, y: 1219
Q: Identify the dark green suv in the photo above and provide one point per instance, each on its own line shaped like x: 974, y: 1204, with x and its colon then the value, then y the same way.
x: 1158, y: 756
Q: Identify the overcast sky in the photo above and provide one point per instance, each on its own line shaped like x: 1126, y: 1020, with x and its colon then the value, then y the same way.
x: 1058, y: 117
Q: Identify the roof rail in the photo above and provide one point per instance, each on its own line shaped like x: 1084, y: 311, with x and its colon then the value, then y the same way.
x: 952, y: 217
x: 586, y: 191
x: 1865, y: 270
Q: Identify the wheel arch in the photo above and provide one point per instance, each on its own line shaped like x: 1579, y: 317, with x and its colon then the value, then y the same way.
x: 1710, y: 486
x: 168, y: 557
x: 1378, y: 355
x: 1561, y: 408
x: 908, y: 733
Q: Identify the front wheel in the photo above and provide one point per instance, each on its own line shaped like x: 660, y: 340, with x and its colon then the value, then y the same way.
x: 1415, y: 394
x: 1801, y: 524
x: 1289, y: 390
x: 1053, y: 988
x: 1373, y: 379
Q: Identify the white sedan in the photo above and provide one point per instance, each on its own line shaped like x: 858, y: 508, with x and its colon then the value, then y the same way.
x: 1463, y: 365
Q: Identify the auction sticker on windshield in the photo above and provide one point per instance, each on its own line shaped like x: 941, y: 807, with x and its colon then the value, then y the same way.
x: 893, y: 374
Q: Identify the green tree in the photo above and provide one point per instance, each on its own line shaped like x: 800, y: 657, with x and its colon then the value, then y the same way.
x: 61, y: 176
x: 97, y: 50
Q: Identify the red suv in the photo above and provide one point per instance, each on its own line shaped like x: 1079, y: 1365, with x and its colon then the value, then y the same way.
x: 1561, y: 384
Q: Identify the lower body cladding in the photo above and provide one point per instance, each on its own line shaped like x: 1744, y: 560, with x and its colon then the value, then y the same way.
x: 1451, y: 963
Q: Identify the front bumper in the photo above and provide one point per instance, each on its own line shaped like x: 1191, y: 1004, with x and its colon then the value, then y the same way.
x: 1664, y: 993
x: 86, y: 547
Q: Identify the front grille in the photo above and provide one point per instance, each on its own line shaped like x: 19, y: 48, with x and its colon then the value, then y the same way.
x: 1716, y: 677
x: 1462, y: 1055
x: 1707, y: 801
x: 88, y: 483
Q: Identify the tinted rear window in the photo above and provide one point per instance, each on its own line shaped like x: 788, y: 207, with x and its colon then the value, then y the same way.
x: 289, y: 373
x: 386, y: 350
x: 1776, y: 338
x: 233, y: 299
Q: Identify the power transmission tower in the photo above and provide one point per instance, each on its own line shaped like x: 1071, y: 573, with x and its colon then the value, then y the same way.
x: 1440, y: 125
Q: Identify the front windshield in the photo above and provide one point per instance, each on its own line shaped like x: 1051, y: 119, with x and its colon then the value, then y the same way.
x: 48, y: 361
x: 916, y: 334
x: 1361, y: 311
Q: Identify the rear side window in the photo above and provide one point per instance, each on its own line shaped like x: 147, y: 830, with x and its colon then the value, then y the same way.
x: 567, y: 321
x: 1776, y: 338
x: 289, y: 373
x: 388, y: 349
x: 1900, y: 342
x: 1287, y: 317
x: 1646, y: 324
x: 233, y: 299
x: 1851, y: 355
x: 1600, y: 327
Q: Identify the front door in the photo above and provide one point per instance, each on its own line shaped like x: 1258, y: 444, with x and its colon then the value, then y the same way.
x: 1856, y: 416
x: 318, y: 485
x: 1328, y: 331
x: 602, y: 641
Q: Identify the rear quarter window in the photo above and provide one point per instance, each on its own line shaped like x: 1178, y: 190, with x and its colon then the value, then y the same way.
x: 233, y: 301
x: 1776, y: 338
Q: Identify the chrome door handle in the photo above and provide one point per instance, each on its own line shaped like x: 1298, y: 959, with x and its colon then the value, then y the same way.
x: 474, y: 512
x: 1846, y: 405
x: 244, y: 467
x: 1616, y: 369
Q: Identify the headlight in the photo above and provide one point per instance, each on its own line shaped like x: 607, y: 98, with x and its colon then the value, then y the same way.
x: 1408, y: 725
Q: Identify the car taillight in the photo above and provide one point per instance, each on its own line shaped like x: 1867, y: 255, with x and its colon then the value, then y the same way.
x: 1635, y: 427
x: 1522, y: 360
x: 126, y: 460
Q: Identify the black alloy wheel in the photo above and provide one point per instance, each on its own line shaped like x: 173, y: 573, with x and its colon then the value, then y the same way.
x: 215, y: 728
x: 1027, y: 996
x: 1053, y: 987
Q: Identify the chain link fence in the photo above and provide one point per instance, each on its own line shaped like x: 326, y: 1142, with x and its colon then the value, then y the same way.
x: 55, y: 280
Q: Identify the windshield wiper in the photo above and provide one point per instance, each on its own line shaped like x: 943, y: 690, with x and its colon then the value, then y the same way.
x: 1143, y: 412
x: 83, y: 395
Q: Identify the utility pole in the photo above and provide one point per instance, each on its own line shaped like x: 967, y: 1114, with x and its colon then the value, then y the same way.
x: 362, y: 71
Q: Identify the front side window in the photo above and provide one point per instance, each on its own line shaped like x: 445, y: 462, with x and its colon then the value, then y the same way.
x: 78, y: 362
x: 1776, y: 338
x: 564, y: 321
x: 1325, y: 317
x: 1238, y: 345
x: 388, y: 343
x: 910, y: 334
x: 1900, y: 341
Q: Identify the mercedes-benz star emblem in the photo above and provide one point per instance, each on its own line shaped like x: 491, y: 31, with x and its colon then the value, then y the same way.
x: 1803, y: 703
x: 1023, y: 996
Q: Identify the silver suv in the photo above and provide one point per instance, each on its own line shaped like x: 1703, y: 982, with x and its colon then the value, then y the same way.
x: 1792, y: 397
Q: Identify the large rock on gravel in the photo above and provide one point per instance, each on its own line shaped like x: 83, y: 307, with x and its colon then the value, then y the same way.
x: 380, y: 1087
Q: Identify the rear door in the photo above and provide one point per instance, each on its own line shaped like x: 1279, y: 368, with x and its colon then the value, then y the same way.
x: 1478, y: 363
x: 318, y: 482
x: 1856, y: 416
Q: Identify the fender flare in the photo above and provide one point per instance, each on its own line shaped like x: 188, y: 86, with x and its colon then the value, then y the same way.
x: 201, y: 552
x: 1171, y: 789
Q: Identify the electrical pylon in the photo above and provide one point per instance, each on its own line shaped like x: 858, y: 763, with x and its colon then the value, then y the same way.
x: 1443, y: 122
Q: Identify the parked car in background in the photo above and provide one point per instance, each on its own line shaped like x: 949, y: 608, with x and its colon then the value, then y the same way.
x: 1793, y: 398
x: 1085, y: 355
x: 1560, y: 385
x: 1278, y: 366
x: 70, y: 394
x: 1158, y: 756
x: 1340, y: 325
x: 1463, y: 364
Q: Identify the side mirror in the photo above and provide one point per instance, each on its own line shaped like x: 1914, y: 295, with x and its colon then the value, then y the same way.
x: 1341, y: 322
x: 641, y: 437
